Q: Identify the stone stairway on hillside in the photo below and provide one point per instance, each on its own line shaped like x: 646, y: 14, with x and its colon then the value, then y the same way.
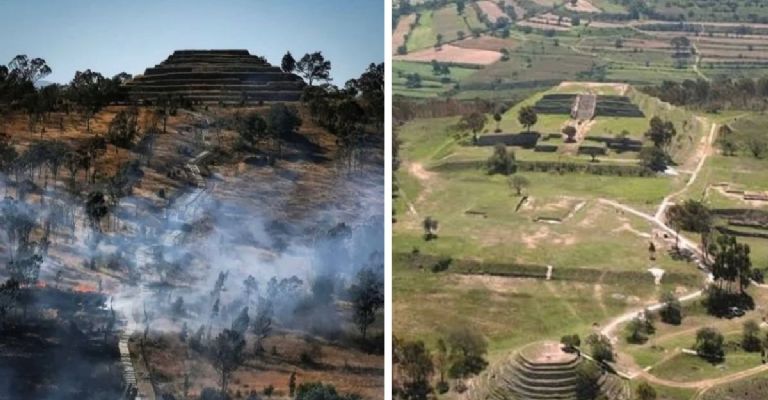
x: 584, y: 107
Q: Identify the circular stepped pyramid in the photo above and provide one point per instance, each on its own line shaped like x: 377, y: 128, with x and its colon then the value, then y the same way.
x: 213, y: 76
x: 540, y: 371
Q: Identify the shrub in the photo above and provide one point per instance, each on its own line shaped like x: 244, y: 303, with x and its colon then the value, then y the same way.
x: 709, y: 344
x: 442, y: 264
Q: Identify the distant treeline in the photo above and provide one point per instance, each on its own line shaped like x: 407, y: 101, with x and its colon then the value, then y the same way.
x: 721, y: 93
x: 87, y: 92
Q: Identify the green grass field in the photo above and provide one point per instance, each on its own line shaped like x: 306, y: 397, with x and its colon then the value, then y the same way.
x: 431, y: 85
x: 753, y: 388
x: 479, y: 224
x: 689, y: 368
x: 428, y: 305
x: 422, y: 36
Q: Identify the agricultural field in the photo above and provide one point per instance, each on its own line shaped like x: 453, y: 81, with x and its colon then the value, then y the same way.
x: 431, y: 85
x: 704, y: 10
x: 547, y: 45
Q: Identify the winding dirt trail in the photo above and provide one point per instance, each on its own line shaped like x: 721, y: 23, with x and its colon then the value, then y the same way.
x: 703, y: 152
x: 610, y: 328
x: 706, y: 383
x: 417, y: 170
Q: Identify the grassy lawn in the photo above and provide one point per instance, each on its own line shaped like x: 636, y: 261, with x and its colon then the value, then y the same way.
x: 689, y: 368
x: 742, y: 171
x: 599, y: 255
x: 668, y: 393
x: 662, y: 351
x: 448, y: 23
x: 613, y: 126
x: 427, y: 305
x: 431, y: 85
x: 422, y: 36
x: 609, y: 6
x: 753, y: 388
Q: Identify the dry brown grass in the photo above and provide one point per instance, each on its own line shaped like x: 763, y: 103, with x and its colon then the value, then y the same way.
x: 491, y: 9
x: 402, y: 29
x: 348, y: 369
x: 489, y: 43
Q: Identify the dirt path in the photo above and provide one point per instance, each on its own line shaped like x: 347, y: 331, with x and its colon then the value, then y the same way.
x: 706, y: 383
x: 416, y: 169
x: 610, y: 328
x: 703, y: 152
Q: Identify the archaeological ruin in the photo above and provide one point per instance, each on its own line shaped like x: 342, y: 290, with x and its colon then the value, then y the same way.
x: 215, y: 77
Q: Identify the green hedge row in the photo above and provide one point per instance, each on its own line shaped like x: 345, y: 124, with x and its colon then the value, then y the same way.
x: 553, y: 166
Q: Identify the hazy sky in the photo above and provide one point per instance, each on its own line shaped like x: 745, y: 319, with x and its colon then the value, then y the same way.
x: 111, y: 36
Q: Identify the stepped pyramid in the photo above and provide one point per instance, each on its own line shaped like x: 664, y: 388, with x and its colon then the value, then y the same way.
x: 213, y: 76
x: 539, y: 372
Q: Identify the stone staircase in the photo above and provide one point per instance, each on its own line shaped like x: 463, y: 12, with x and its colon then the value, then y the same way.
x: 213, y: 76
x: 584, y: 107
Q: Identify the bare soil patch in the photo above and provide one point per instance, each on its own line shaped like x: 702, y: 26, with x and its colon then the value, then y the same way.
x: 491, y: 9
x: 582, y: 6
x: 453, y: 54
x: 348, y: 369
x: 547, y: 352
x: 402, y: 29
x: 622, y: 88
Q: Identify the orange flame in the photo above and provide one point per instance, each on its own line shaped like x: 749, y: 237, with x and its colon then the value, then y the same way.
x: 84, y: 288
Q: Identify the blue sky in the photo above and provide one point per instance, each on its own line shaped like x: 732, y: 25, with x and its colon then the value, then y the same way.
x: 111, y: 36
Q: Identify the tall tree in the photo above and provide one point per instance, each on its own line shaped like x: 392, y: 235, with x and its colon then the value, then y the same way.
x: 240, y: 324
x: 367, y: 296
x: 709, y: 344
x: 282, y: 122
x: 32, y: 70
x: 314, y: 66
x: 228, y: 355
x: 502, y: 161
x: 123, y: 129
x: 474, y: 122
x: 661, y: 132
x: 692, y: 216
x: 414, y: 368
x: 262, y: 323
x: 467, y: 352
x: 527, y: 117
x: 288, y: 64
x: 88, y: 91
x: 252, y: 128
x: 96, y: 209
